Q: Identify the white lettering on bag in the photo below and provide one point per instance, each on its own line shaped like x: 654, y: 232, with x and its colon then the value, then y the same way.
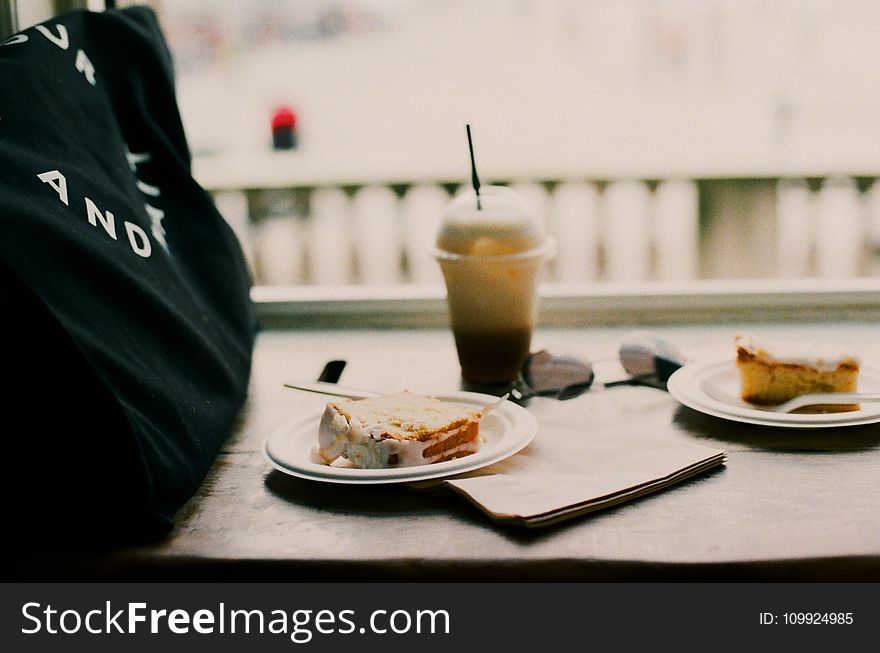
x: 82, y: 62
x: 62, y: 40
x: 137, y: 237
x: 134, y: 158
x: 149, y: 189
x: 57, y: 181
x: 156, y: 227
x: 107, y: 220
x: 15, y: 40
x: 155, y: 214
x: 84, y: 65
x: 138, y: 240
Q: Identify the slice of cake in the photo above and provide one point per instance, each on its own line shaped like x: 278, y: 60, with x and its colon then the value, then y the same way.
x: 400, y: 430
x: 774, y: 372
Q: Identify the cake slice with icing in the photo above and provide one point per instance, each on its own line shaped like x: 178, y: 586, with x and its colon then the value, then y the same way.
x: 399, y: 430
x: 772, y: 372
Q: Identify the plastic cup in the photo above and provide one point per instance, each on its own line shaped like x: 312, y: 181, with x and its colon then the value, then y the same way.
x: 492, y: 259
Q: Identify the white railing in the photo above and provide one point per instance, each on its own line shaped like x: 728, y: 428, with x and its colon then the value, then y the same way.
x: 621, y: 230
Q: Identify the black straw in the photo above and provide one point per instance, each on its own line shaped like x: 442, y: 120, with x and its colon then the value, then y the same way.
x: 475, y: 180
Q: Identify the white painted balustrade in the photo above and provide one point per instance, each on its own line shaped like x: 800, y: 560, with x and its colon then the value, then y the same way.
x: 872, y: 217
x: 377, y: 229
x: 620, y: 230
x: 626, y: 229
x: 676, y: 234
x: 233, y: 206
x: 423, y: 206
x: 329, y: 239
x: 279, y: 244
x: 839, y: 230
x: 574, y: 207
x: 795, y: 228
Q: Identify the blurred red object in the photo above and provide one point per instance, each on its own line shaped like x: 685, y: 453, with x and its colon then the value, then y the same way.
x: 284, y: 129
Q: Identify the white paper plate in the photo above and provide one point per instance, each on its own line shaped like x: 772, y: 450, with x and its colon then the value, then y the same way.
x: 504, y: 431
x: 713, y: 388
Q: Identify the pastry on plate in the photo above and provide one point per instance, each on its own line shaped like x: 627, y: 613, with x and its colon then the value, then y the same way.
x: 399, y: 430
x: 772, y: 372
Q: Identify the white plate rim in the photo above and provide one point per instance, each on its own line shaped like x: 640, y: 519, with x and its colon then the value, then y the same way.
x: 522, y: 430
x: 685, y: 386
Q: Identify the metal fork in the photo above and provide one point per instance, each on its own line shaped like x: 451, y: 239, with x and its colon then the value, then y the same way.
x: 822, y: 398
x: 811, y: 399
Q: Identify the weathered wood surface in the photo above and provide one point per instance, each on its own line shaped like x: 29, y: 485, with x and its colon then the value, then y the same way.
x: 788, y: 505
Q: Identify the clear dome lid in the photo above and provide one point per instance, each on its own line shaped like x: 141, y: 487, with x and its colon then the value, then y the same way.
x: 504, y: 224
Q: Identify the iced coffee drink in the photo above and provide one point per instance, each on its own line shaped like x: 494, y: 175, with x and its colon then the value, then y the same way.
x: 492, y: 259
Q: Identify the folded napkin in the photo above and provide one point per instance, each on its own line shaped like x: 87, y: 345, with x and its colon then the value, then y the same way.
x: 590, y: 453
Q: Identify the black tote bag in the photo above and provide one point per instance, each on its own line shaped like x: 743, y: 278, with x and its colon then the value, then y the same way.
x: 128, y: 328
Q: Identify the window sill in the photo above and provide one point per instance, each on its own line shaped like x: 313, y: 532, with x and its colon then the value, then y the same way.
x: 607, y: 304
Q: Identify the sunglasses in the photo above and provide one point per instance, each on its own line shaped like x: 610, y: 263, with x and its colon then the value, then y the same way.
x: 648, y: 360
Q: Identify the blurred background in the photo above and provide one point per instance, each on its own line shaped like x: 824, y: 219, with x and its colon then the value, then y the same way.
x: 660, y: 139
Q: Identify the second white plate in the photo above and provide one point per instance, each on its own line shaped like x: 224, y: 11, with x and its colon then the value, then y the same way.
x: 504, y: 431
x: 712, y: 387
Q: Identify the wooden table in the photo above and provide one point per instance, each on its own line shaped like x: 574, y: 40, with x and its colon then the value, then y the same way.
x: 788, y: 505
